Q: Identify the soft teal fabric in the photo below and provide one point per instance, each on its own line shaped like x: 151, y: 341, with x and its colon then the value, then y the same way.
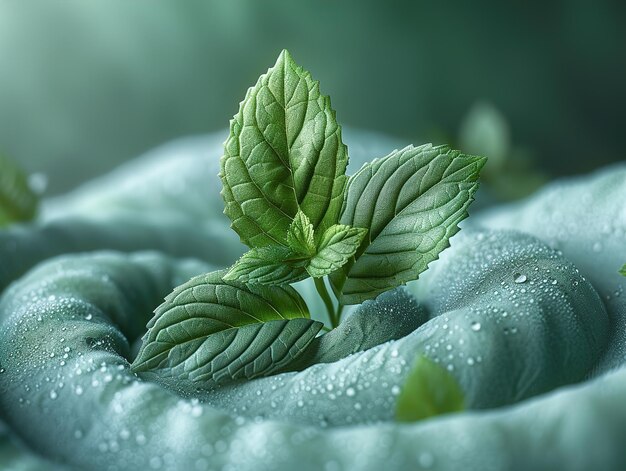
x: 68, y: 391
x: 585, y: 219
x: 516, y: 322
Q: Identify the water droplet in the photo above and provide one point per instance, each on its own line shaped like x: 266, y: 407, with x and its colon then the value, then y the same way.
x: 476, y: 326
x: 350, y: 392
x: 78, y: 390
x: 519, y: 278
x: 53, y: 394
x: 395, y: 390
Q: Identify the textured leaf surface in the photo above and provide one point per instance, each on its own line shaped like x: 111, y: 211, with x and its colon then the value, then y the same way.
x: 301, y: 236
x: 210, y: 330
x: 284, y: 153
x: 429, y: 390
x: 411, y: 201
x: 338, y: 245
x: 268, y: 265
x: 17, y: 201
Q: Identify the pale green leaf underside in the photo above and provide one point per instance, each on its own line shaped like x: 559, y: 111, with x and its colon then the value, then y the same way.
x: 337, y: 246
x: 213, y: 331
x: 17, y: 201
x: 301, y: 236
x: 268, y: 265
x: 284, y: 153
x: 412, y: 201
x: 429, y: 390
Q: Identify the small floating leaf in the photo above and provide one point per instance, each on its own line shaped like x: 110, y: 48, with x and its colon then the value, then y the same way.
x: 429, y: 391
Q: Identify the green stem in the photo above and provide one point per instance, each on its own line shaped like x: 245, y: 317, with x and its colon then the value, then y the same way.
x: 323, y: 292
x: 339, y: 312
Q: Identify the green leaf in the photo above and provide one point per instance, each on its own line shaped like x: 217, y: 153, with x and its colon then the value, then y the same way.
x: 215, y: 331
x: 300, y: 236
x: 17, y: 201
x: 337, y: 246
x: 284, y: 154
x: 411, y: 201
x: 429, y: 390
x: 268, y: 265
x: 623, y: 270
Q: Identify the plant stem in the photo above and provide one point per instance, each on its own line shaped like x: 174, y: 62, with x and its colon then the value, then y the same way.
x: 339, y: 312
x: 323, y: 292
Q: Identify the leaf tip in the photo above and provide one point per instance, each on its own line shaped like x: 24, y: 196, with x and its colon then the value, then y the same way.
x: 284, y: 57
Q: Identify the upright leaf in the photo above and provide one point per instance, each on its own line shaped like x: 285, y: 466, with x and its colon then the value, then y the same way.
x: 337, y: 246
x: 301, y: 236
x: 429, y: 391
x: 214, y: 331
x: 17, y: 201
x: 284, y: 154
x: 411, y: 201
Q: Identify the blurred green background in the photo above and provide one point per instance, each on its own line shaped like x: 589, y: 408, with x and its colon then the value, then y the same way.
x: 87, y: 84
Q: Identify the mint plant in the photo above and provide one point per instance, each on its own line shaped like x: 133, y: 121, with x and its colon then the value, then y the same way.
x: 288, y: 198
